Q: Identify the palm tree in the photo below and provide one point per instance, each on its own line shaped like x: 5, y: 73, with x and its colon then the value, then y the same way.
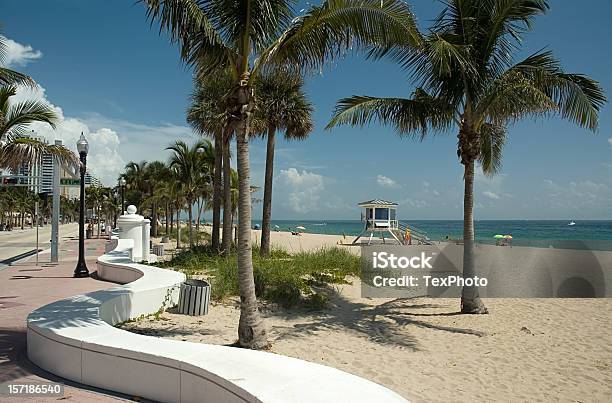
x: 282, y: 105
x: 191, y: 169
x: 135, y: 176
x: 155, y: 174
x: 15, y: 147
x: 208, y: 116
x: 467, y: 78
x: 248, y: 36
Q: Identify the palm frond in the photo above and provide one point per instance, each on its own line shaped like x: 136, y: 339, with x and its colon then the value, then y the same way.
x: 19, y: 116
x: 188, y: 24
x: 577, y: 97
x: 337, y: 26
x: 412, y: 117
x: 492, y: 140
x: 25, y: 149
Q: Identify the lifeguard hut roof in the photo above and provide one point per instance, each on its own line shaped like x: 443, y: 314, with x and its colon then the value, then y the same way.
x: 377, y: 203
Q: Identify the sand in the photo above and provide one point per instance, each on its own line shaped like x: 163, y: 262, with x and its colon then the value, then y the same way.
x: 524, y: 350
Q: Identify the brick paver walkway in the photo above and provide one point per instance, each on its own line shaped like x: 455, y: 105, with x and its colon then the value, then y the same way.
x: 25, y: 287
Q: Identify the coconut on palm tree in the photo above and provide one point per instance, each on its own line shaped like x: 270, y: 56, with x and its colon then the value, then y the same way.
x: 467, y: 79
x: 282, y: 105
x: 249, y: 36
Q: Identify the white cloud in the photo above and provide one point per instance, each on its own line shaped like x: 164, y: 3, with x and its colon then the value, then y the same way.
x: 385, y: 181
x: 305, y: 189
x: 104, y: 159
x: 491, y: 195
x: 18, y: 54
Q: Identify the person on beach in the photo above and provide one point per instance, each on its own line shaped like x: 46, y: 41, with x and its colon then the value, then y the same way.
x: 407, y: 237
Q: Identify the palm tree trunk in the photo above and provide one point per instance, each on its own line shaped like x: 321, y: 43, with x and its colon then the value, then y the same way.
x: 190, y: 214
x: 470, y: 300
x: 264, y: 251
x: 227, y: 197
x: 98, y: 218
x: 251, y: 330
x: 166, y: 217
x: 217, y: 190
x: 154, y: 219
x: 178, y: 225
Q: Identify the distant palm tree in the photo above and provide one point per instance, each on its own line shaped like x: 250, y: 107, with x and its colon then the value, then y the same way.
x: 466, y: 78
x: 282, y: 105
x: 15, y: 147
x: 155, y: 175
x: 207, y: 115
x: 135, y: 175
x: 249, y: 36
x: 191, y: 170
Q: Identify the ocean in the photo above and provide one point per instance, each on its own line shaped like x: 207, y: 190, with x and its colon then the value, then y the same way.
x: 524, y: 232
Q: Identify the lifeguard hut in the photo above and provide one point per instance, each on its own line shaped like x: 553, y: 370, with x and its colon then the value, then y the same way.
x: 379, y: 217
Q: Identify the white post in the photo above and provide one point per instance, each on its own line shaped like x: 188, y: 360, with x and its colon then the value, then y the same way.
x: 146, y: 239
x: 56, y: 207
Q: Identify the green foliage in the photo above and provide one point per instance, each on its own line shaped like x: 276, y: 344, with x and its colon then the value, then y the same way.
x: 289, y: 280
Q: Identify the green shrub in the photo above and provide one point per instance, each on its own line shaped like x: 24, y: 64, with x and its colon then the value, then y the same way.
x: 286, y: 279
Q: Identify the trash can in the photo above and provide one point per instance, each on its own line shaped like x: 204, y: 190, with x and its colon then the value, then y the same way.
x: 194, y: 297
x: 158, y: 249
x: 88, y: 233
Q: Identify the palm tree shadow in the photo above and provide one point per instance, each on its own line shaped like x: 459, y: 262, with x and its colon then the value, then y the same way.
x: 386, y: 324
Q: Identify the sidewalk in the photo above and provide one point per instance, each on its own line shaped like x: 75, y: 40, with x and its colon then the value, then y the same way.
x: 25, y: 287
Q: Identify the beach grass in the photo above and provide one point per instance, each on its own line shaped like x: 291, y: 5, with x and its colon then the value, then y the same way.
x: 300, y: 279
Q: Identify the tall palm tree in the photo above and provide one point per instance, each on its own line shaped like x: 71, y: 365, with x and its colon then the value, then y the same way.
x: 17, y: 148
x: 467, y: 78
x: 282, y: 105
x: 191, y: 170
x: 248, y: 36
x: 208, y: 116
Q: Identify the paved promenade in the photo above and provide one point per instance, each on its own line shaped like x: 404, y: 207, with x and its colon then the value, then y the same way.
x: 25, y: 287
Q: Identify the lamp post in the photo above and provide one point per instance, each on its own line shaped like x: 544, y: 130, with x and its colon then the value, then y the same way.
x: 81, y: 267
x: 122, y: 183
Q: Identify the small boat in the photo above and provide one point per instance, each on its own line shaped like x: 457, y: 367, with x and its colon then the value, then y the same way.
x: 571, y: 223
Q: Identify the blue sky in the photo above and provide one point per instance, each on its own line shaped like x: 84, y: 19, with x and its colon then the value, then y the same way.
x: 115, y: 78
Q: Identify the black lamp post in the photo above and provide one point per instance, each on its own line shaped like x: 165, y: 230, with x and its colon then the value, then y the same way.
x: 122, y: 183
x: 81, y: 267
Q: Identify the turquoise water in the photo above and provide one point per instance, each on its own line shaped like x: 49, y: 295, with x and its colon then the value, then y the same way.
x: 531, y: 232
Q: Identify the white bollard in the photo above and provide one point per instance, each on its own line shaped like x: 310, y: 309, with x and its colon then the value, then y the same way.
x: 130, y: 227
x: 146, y: 239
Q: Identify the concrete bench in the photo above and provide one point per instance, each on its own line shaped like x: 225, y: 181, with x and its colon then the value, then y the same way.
x: 75, y: 339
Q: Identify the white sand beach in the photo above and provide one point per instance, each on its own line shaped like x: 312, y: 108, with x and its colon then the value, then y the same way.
x: 524, y: 350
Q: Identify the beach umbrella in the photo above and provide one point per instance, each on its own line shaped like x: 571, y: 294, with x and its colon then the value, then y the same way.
x: 499, y: 236
x: 508, y: 236
x: 301, y: 228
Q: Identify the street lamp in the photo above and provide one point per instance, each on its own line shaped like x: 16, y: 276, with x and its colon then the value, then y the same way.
x: 122, y: 183
x: 81, y: 267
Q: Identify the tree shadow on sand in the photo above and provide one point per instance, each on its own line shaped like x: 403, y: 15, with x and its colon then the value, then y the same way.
x: 386, y: 324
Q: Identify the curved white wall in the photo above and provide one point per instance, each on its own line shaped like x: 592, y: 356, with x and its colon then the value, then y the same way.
x: 75, y: 338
